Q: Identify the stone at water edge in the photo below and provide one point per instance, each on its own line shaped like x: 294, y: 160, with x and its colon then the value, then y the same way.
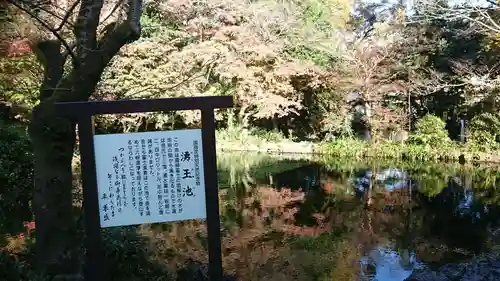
x: 429, y: 275
x: 480, y: 269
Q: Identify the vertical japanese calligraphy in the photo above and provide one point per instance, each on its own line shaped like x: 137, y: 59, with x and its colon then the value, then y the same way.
x: 178, y: 186
x: 131, y: 175
x: 145, y: 176
x: 150, y: 177
x: 196, y: 151
x: 164, y: 167
x: 159, y: 176
x: 122, y: 180
x: 171, y: 178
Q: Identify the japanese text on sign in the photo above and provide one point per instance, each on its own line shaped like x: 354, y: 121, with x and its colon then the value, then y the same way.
x: 150, y: 177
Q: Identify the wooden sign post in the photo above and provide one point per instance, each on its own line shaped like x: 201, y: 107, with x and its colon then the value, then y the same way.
x: 148, y: 177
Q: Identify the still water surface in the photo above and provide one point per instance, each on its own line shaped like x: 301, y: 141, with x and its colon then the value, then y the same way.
x: 348, y: 220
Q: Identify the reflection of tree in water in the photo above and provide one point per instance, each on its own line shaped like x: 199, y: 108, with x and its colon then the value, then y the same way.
x: 408, y: 215
x: 452, y: 211
x: 486, y: 186
x: 281, y: 220
x: 238, y: 174
x: 307, y: 224
x: 240, y: 185
x: 319, y: 187
x: 361, y: 229
x: 458, y: 218
x: 305, y: 178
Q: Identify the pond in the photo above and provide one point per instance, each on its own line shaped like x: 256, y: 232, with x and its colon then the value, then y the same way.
x: 331, y: 219
x: 311, y: 218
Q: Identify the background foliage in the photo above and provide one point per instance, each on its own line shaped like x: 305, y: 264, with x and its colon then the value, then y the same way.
x: 308, y: 70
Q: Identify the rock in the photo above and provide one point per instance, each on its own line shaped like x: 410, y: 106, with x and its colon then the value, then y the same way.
x: 452, y: 271
x: 484, y: 271
x: 196, y: 271
x: 483, y: 268
x: 445, y: 273
x: 68, y: 277
x: 426, y: 275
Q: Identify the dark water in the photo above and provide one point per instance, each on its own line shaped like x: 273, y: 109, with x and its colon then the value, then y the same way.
x: 366, y: 221
x: 320, y: 219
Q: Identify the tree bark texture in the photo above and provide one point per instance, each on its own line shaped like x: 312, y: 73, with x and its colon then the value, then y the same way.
x: 53, y: 136
x: 53, y: 140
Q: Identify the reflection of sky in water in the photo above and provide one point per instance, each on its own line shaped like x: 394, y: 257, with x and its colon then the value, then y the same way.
x: 393, y: 179
x: 388, y: 265
x: 466, y: 203
x: 465, y: 206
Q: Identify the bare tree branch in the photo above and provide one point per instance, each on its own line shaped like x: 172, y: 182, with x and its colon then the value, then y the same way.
x: 65, y: 53
x: 48, y: 11
x: 86, y: 28
x: 67, y: 15
x: 134, y: 15
x: 115, y: 8
x: 492, y: 2
x: 97, y: 58
x: 126, y: 32
x: 480, y: 16
x: 47, y: 26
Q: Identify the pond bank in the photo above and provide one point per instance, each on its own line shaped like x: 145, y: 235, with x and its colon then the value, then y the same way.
x: 347, y: 148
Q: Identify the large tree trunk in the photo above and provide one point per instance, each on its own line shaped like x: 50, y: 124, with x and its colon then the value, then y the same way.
x: 53, y: 139
x: 53, y: 136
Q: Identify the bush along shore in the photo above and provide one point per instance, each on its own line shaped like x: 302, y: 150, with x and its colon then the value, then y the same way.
x: 429, y: 142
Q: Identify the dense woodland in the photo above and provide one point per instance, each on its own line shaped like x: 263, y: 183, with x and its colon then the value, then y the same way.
x: 309, y: 70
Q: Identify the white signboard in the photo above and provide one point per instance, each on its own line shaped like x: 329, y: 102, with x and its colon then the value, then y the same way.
x: 150, y: 177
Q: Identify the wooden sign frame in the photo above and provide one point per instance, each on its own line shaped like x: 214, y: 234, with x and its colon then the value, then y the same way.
x: 83, y: 112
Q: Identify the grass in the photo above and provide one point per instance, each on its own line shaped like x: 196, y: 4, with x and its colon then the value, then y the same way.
x: 235, y: 138
x: 238, y: 138
x: 447, y: 152
x: 234, y: 166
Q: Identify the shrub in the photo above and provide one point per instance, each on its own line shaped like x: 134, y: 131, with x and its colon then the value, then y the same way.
x: 482, y: 141
x: 19, y: 81
x: 269, y: 136
x: 16, y: 171
x: 430, y: 131
x: 484, y: 133
x: 130, y: 257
